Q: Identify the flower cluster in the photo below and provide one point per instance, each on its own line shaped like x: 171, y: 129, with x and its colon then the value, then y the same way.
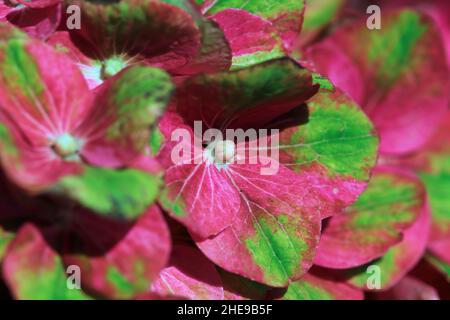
x: 221, y: 149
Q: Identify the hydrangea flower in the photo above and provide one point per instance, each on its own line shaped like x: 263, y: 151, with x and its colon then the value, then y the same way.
x: 79, y: 158
x: 171, y: 35
x: 273, y: 183
x: 49, y: 118
x: 264, y: 227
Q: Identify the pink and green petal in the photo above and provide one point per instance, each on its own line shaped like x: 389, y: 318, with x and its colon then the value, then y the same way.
x: 337, y: 146
x: 314, y: 288
x: 366, y: 230
x: 318, y: 15
x: 196, y: 194
x: 252, y: 39
x: 434, y: 170
x: 246, y: 98
x: 130, y: 266
x: 117, y: 128
x: 49, y: 98
x: 432, y: 163
x: 395, y: 73
x: 437, y: 182
x: 189, y: 275
x: 275, y: 233
x: 398, y: 260
x: 160, y: 34
x: 439, y: 10
x: 121, y: 194
x: 33, y: 270
x: 285, y: 15
x: 215, y: 54
x: 200, y: 197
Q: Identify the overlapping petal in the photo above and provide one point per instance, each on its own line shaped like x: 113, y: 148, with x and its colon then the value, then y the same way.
x: 33, y: 270
x: 39, y: 18
x: 367, y: 229
x: 394, y: 73
x: 122, y: 268
x: 189, y: 275
x: 285, y: 15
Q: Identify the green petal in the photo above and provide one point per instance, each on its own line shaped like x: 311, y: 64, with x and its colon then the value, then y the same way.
x: 122, y: 194
x: 338, y: 137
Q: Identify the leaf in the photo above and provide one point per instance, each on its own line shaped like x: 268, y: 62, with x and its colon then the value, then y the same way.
x: 314, y: 288
x: 398, y: 260
x: 117, y: 128
x: 365, y: 231
x: 33, y: 270
x: 121, y: 194
x: 127, y: 268
x: 252, y: 39
x: 189, y: 275
x: 394, y: 73
x: 285, y: 15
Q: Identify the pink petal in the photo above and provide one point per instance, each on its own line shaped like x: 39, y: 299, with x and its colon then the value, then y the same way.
x: 190, y: 275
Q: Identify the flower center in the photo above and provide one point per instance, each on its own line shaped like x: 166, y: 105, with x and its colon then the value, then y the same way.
x: 66, y: 147
x: 222, y: 151
x: 112, y: 66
